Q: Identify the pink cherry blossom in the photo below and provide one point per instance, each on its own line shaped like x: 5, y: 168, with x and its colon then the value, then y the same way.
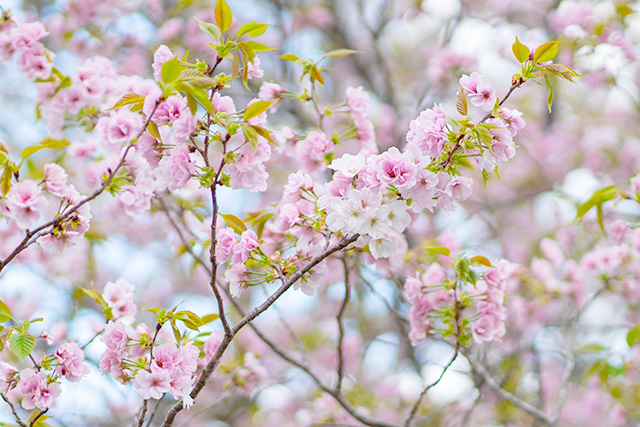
x: 70, y: 362
x: 152, y: 385
x: 161, y: 55
x: 37, y: 390
x: 479, y: 91
x: 119, y: 296
x: 55, y: 179
x: 25, y: 203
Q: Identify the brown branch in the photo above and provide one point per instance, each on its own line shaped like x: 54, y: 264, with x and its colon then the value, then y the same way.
x: 335, y: 393
x: 31, y: 236
x: 215, y: 359
x: 416, y: 405
x: 37, y: 417
x: 14, y: 412
x: 343, y: 308
x: 504, y: 394
x: 447, y: 162
x: 143, y: 413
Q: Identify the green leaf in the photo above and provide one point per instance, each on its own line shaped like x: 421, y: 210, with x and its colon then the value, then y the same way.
x: 247, y: 51
x: 223, y: 15
x: 234, y: 222
x: 208, y: 318
x: 479, y: 259
x: 317, y: 76
x: 520, y: 51
x: 633, y: 335
x: 198, y: 94
x: 5, y: 180
x: 253, y: 29
x: 563, y: 71
x: 40, y: 422
x: 128, y: 98
x: 22, y: 344
x: 290, y: 57
x: 153, y: 130
x: 210, y: 29
x: 484, y: 135
x: 47, y: 143
x: 266, y: 134
x: 464, y: 271
x: 193, y: 104
x: 176, y: 331
x: 441, y: 250
x: 256, y: 109
x: 597, y: 199
x: 546, y: 51
x: 591, y: 348
x: 258, y: 47
x: 5, y: 312
x: 196, y: 79
x: 250, y: 135
x: 549, y: 88
x: 190, y: 319
x: 338, y: 53
x: 171, y: 70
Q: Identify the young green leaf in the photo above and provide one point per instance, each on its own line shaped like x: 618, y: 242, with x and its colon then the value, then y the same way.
x: 479, y: 259
x: 258, y: 47
x: 549, y: 88
x: 223, y: 15
x: 210, y: 29
x: 208, y: 318
x: 5, y: 312
x: 440, y: 250
x: 253, y: 29
x: 256, y: 109
x: 22, y: 344
x: 153, y: 130
x: 290, y: 57
x: 190, y: 319
x: 5, y: 180
x: 484, y: 135
x: 247, y: 51
x: 633, y: 335
x: 597, y: 199
x: 198, y: 94
x: 46, y: 143
x: 250, y: 135
x: 234, y: 222
x: 266, y: 134
x: 546, y: 51
x: 338, y: 53
x: 520, y: 51
x: 171, y: 70
x: 128, y: 98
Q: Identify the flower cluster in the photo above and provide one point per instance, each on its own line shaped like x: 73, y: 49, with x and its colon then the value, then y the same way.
x: 441, y: 305
x: 22, y: 40
x: 39, y: 387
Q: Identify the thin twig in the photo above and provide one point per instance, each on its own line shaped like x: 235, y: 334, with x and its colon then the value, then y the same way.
x: 14, y: 412
x: 343, y: 308
x: 37, y: 417
x: 215, y: 359
x: 336, y: 394
x: 143, y: 413
x: 416, y: 405
x: 31, y: 236
x: 155, y: 410
x: 562, y: 398
x: 504, y: 394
